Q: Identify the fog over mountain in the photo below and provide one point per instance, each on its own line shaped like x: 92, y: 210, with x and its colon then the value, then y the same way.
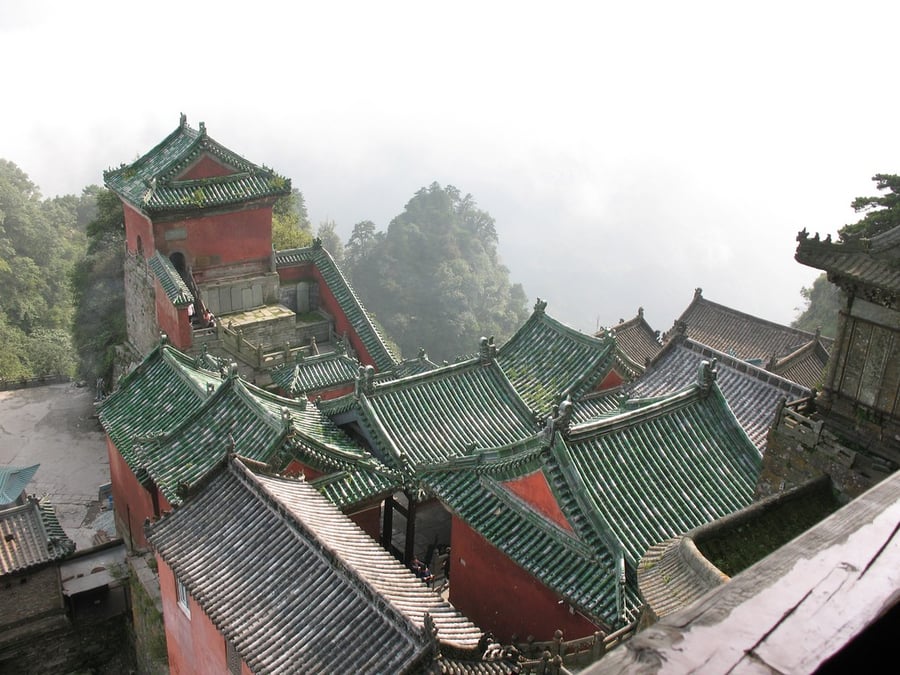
x: 627, y: 153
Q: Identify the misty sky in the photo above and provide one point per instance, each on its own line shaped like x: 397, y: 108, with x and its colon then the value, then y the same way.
x: 629, y: 152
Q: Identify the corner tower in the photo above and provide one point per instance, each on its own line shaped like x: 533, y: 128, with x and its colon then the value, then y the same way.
x: 198, y: 233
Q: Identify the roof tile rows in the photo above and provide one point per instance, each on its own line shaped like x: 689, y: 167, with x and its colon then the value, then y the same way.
x: 746, y: 337
x: 319, y: 615
x: 152, y: 183
x: 30, y: 535
x: 752, y: 392
x: 546, y: 361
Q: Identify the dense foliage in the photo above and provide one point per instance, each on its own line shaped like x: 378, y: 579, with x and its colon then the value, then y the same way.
x: 822, y: 300
x: 434, y: 279
x: 40, y: 240
x: 882, y: 213
x: 290, y: 223
x: 98, y: 282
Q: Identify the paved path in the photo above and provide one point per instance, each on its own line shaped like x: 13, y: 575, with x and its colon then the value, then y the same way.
x: 55, y: 426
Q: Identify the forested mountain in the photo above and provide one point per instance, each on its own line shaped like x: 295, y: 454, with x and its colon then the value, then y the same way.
x: 434, y: 279
x: 40, y: 241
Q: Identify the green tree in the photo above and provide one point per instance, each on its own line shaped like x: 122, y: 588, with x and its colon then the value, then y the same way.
x: 39, y: 243
x: 290, y: 223
x: 882, y: 212
x: 97, y: 281
x: 434, y: 279
x: 822, y: 301
x: 331, y: 240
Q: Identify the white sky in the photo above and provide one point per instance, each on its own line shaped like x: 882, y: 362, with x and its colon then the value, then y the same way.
x: 629, y: 151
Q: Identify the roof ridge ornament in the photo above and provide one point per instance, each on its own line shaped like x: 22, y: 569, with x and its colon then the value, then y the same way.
x: 706, y: 375
x: 487, y: 350
x: 540, y: 306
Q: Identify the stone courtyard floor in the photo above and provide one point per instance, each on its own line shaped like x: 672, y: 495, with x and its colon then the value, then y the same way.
x: 56, y: 426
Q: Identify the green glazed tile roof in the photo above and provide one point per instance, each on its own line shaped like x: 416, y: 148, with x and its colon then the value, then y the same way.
x: 155, y: 397
x: 584, y: 575
x: 315, y: 373
x: 255, y: 424
x: 346, y: 298
x: 13, y: 480
x: 172, y: 283
x: 152, y: 183
x: 546, y: 360
x: 663, y: 468
x: 444, y: 412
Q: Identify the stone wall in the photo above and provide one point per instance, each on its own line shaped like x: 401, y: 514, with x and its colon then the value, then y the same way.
x: 29, y: 596
x: 140, y: 304
x: 147, y: 618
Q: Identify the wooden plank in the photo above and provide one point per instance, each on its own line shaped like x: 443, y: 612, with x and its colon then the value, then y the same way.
x: 791, y: 611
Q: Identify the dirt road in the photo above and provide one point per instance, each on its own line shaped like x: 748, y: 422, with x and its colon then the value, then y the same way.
x: 55, y: 426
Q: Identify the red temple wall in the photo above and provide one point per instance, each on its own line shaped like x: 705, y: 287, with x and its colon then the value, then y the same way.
x: 329, y: 304
x: 501, y: 597
x: 194, y: 644
x: 220, y: 239
x: 131, y: 501
x: 535, y: 490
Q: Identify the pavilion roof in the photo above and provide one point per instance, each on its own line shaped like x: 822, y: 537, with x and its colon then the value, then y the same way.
x: 741, y: 335
x: 154, y: 183
x: 662, y: 468
x: 30, y: 533
x: 316, y: 610
x: 165, y: 389
x: 13, y: 480
x: 752, y: 392
x: 637, y: 341
x: 546, y: 360
x: 868, y: 266
x: 315, y: 373
x: 254, y: 423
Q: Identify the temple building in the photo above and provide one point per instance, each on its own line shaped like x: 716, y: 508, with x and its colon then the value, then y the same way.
x: 200, y: 265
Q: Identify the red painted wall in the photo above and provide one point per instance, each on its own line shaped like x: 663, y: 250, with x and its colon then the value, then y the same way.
x: 138, y: 225
x: 206, y: 167
x: 220, y: 239
x: 295, y: 468
x: 535, y: 490
x: 131, y: 501
x: 369, y: 520
x: 501, y: 597
x: 612, y: 379
x: 329, y: 303
x: 173, y: 320
x: 194, y: 644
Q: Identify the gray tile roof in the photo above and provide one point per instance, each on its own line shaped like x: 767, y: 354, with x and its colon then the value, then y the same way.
x: 752, y: 392
x: 738, y: 334
x: 636, y: 339
x: 332, y: 600
x: 30, y: 535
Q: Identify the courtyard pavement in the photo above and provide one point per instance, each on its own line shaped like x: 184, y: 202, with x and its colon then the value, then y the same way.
x: 56, y: 426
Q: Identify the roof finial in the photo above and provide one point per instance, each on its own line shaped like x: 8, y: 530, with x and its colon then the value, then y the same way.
x: 698, y: 293
x: 182, y: 121
x: 203, y: 128
x: 540, y: 306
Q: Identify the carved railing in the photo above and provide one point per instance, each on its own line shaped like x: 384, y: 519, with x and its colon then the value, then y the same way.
x: 554, y: 657
x: 233, y: 341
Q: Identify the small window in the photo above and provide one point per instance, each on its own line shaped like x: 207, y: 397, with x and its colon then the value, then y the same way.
x: 183, y: 596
